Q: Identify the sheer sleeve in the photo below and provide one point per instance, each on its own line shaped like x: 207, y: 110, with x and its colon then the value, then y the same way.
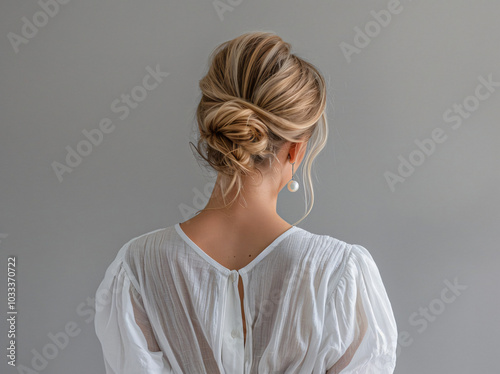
x: 360, y: 321
x: 122, y: 326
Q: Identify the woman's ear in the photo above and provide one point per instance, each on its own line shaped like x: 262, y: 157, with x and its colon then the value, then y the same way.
x: 295, y: 150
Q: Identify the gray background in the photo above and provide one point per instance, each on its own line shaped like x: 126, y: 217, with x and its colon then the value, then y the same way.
x: 440, y: 225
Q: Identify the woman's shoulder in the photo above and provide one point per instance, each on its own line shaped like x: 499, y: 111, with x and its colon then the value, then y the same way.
x: 327, y: 252
x: 144, y: 240
x: 330, y: 259
x: 323, y: 243
x: 333, y: 253
x: 133, y: 247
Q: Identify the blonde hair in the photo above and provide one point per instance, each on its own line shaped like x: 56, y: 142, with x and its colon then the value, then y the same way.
x: 256, y: 96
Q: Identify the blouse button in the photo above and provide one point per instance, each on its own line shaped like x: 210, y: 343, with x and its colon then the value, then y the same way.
x: 233, y: 276
x: 235, y: 334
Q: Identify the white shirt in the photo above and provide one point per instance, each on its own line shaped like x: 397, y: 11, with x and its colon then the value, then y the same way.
x: 312, y: 304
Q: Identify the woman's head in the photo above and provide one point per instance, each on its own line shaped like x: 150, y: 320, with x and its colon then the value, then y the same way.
x: 258, y: 98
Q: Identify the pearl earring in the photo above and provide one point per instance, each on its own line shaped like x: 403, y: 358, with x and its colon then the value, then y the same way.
x: 293, y: 185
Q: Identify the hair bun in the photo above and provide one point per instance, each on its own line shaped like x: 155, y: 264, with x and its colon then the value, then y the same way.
x: 236, y: 131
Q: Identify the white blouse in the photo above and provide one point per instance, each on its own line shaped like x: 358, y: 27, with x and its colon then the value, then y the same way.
x: 312, y: 304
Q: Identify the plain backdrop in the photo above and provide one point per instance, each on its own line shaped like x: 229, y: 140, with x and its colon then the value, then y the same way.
x: 407, y: 89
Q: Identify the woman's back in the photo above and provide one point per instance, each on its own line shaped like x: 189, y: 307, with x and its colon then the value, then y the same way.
x: 312, y: 303
x: 233, y: 247
x: 231, y: 244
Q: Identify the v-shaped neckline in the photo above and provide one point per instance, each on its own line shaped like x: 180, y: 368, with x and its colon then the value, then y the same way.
x: 224, y: 269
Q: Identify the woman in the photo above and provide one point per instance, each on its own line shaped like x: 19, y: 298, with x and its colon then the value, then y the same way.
x: 237, y: 289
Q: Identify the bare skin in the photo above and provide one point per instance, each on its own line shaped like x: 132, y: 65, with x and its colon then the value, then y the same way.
x: 233, y: 236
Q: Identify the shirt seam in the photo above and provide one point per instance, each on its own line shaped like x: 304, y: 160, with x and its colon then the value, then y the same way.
x: 342, y: 273
x: 130, y: 276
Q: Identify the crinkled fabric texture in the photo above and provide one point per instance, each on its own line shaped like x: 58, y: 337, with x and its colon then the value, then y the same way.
x: 312, y: 304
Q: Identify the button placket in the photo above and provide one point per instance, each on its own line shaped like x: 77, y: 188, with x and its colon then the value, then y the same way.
x: 233, y: 353
x: 235, y: 331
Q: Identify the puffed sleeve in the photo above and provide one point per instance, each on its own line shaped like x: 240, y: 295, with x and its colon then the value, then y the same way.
x: 360, y: 321
x: 122, y: 326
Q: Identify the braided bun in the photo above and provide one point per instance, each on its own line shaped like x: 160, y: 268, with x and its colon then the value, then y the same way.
x: 236, y: 135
